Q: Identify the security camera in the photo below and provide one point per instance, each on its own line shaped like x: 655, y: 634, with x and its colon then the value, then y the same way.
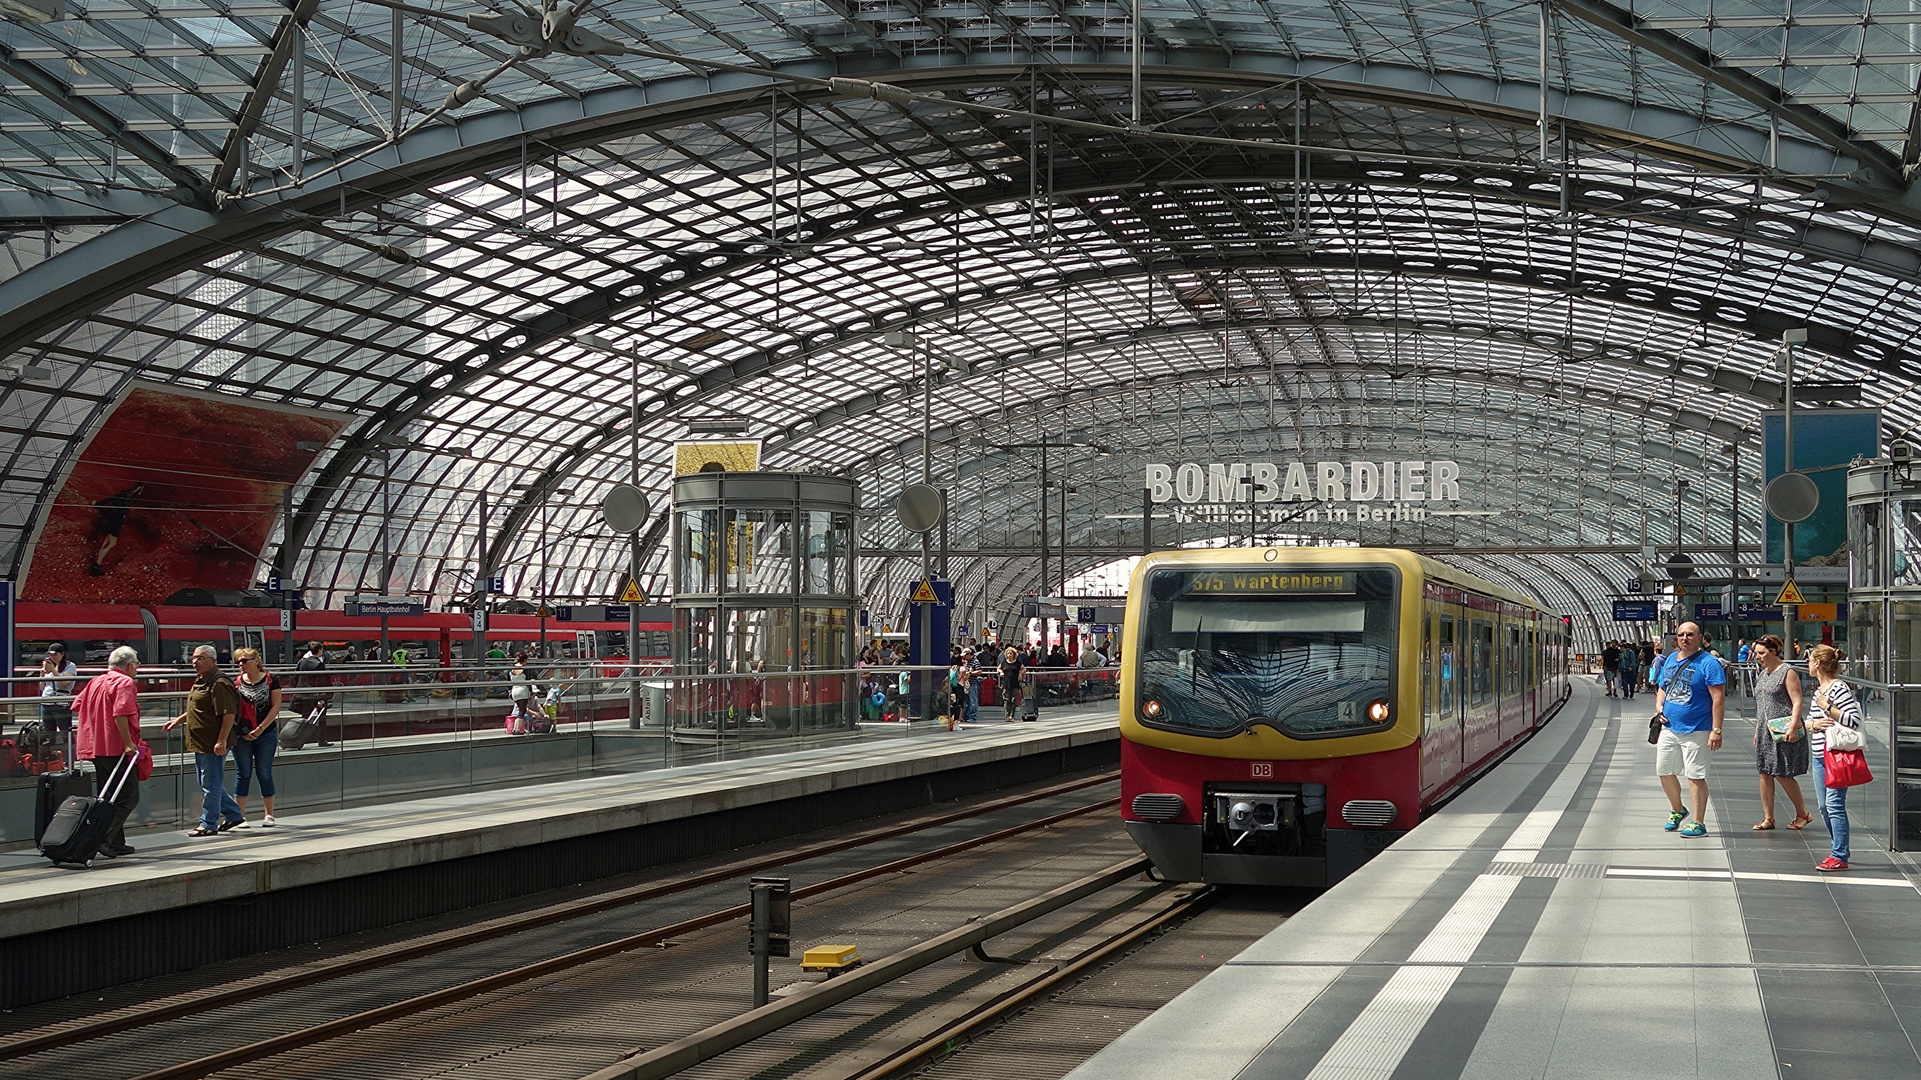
x: 1901, y: 452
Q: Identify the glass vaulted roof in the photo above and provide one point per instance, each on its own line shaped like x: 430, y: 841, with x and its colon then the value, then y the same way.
x: 1559, y: 242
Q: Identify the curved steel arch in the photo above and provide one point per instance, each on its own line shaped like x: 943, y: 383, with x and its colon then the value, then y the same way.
x: 229, y: 232
x: 727, y: 377
x: 176, y: 238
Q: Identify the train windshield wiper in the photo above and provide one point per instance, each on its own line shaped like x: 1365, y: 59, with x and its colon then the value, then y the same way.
x: 1193, y: 669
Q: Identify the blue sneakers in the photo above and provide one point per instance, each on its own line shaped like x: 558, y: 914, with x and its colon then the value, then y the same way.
x: 1675, y: 818
x: 1694, y: 828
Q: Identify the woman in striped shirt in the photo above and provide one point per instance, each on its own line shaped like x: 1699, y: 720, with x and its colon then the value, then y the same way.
x: 1832, y: 703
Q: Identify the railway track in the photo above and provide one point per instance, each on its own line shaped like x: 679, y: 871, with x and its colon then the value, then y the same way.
x: 346, y: 978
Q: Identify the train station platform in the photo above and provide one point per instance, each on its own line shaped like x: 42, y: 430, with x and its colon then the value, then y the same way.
x: 1543, y: 926
x: 183, y: 902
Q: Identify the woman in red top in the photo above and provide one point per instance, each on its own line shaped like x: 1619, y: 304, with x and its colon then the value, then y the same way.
x: 109, y: 720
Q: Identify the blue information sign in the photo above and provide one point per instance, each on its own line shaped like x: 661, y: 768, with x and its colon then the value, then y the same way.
x: 1707, y: 613
x: 1636, y: 610
x: 619, y: 612
x: 1757, y: 613
x: 497, y: 584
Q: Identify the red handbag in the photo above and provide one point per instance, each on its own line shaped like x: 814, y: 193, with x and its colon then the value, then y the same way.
x: 1846, y: 768
x: 142, y: 761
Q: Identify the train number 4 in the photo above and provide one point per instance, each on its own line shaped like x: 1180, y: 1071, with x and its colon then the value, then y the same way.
x: 1263, y: 770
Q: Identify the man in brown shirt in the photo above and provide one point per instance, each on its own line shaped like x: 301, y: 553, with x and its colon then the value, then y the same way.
x: 211, y: 706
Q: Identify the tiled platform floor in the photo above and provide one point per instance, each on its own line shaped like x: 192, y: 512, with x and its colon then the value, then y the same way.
x: 1544, y: 926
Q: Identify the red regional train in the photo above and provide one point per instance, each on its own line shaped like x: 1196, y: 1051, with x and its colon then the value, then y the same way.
x: 165, y: 634
x: 1286, y: 713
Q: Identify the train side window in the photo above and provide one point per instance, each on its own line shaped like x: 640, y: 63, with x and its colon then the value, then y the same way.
x: 1428, y: 709
x: 1447, y: 665
x: 1482, y: 686
x: 1513, y: 659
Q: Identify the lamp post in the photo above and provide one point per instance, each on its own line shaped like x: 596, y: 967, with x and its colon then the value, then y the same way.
x: 387, y: 447
x: 1042, y: 445
x: 1789, y: 339
x: 546, y: 506
x: 1675, y: 564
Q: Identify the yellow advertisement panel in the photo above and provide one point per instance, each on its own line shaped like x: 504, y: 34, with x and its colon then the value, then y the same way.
x: 737, y: 456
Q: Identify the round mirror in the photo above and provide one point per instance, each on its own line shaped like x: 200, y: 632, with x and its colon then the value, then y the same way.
x: 918, y: 507
x: 1792, y: 497
x: 624, y: 508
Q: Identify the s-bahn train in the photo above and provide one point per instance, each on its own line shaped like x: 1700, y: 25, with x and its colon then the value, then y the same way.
x: 1286, y: 713
x: 166, y: 634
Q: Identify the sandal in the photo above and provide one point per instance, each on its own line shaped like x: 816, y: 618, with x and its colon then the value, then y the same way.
x: 1765, y: 826
x: 1801, y: 821
x: 202, y: 830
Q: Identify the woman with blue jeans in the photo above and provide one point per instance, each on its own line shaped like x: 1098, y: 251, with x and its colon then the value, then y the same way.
x: 1832, y: 703
x: 253, y: 750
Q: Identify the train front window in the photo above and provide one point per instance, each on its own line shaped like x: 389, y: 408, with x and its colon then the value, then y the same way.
x: 1309, y: 651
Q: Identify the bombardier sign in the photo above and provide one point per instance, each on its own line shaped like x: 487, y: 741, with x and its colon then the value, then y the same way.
x: 1347, y: 490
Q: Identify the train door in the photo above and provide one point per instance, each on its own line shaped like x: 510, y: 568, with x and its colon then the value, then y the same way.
x: 1512, y: 701
x: 584, y: 647
x: 1535, y: 667
x: 1483, y: 699
x: 1452, y: 708
x: 246, y: 637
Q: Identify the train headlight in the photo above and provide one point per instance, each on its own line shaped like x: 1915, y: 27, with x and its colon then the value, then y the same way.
x: 1151, y: 708
x: 1377, y: 710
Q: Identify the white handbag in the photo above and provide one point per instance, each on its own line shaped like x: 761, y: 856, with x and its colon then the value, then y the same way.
x: 1844, y: 738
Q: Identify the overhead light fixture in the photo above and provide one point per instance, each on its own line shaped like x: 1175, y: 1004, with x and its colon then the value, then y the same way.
x: 28, y: 372
x: 704, y: 340
x: 718, y: 425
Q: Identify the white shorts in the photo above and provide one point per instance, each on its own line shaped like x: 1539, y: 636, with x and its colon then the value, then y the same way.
x: 1682, y: 755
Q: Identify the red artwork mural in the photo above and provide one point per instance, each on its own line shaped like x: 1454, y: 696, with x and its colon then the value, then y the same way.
x: 176, y: 491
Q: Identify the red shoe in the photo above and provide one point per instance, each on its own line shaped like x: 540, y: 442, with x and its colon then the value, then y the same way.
x: 1830, y: 864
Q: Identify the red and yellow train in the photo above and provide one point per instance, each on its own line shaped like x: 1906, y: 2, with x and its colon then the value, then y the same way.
x: 1288, y: 712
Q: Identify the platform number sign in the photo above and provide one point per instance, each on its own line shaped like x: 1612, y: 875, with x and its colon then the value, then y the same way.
x: 1262, y: 770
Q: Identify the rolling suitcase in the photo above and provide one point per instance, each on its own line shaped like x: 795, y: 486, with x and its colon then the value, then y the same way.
x: 301, y: 730
x: 80, y: 827
x: 54, y: 789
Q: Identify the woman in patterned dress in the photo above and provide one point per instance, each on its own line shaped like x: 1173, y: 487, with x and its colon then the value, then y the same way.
x: 1779, y: 756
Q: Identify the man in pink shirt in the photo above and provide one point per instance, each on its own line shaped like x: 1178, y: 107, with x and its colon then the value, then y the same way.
x: 109, y: 722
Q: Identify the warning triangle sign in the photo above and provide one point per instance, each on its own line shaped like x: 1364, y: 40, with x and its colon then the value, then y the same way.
x: 1790, y: 594
x: 924, y: 593
x: 630, y: 593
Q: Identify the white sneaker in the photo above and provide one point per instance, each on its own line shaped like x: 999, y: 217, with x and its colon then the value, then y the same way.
x: 239, y: 825
x: 267, y: 822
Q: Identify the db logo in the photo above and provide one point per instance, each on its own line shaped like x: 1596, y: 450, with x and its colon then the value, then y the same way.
x: 1263, y: 770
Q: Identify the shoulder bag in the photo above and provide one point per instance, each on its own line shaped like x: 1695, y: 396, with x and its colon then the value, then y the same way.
x: 1845, y: 739
x: 1658, y: 721
x: 1845, y: 768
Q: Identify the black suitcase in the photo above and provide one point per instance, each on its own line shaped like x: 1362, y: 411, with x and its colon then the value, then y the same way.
x: 54, y: 789
x: 80, y: 827
x: 301, y: 730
